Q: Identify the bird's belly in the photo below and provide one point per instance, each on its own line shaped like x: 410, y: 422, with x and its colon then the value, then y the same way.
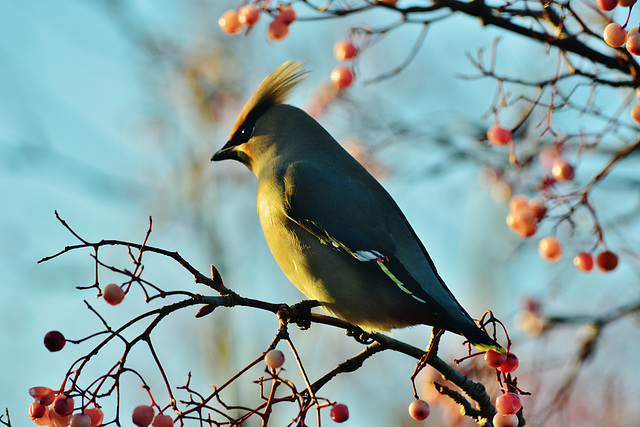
x: 324, y: 274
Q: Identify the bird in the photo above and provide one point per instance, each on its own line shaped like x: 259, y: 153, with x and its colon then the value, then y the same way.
x: 333, y: 229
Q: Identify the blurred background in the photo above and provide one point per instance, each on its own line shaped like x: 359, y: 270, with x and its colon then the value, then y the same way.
x: 109, y: 114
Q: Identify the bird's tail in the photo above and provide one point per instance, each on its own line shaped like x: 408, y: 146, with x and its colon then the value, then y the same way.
x: 482, y: 341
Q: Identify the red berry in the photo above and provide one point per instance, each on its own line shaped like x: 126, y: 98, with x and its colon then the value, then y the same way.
x: 96, y: 416
x: 607, y: 261
x: 37, y: 410
x: 80, y: 420
x: 248, y: 15
x: 113, y: 294
x: 277, y: 30
x: 342, y: 77
x: 287, y: 14
x: 162, y: 420
x: 633, y: 43
x: 499, y: 135
x: 344, y: 49
x: 614, y: 35
x: 508, y: 403
x: 583, y: 261
x: 274, y: 359
x: 229, y: 22
x: 142, y: 415
x: 494, y: 358
x: 510, y: 364
x: 339, y: 412
x: 419, y: 410
x: 562, y: 170
x: 63, y: 405
x: 54, y: 341
x: 42, y: 395
x: 550, y: 249
x: 607, y: 4
x: 505, y: 420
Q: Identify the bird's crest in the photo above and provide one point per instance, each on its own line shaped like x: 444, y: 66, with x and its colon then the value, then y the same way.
x: 273, y: 90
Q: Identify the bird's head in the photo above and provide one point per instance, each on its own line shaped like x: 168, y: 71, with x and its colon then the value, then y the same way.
x: 255, y: 134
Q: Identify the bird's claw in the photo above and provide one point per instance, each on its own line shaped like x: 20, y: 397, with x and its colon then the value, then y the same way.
x: 298, y: 313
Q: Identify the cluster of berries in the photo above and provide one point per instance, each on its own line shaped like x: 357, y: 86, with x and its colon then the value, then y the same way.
x: 234, y: 21
x: 144, y: 415
x: 56, y: 409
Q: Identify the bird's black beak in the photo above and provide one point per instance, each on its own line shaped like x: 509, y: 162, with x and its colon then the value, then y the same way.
x: 226, y: 152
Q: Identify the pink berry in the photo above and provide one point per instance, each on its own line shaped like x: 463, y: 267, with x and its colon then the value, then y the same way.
x: 274, y: 359
x: 80, y: 420
x: 113, y: 294
x: 505, y: 420
x: 59, y: 420
x: 162, y: 420
x: 342, y: 77
x: 344, y: 49
x: 607, y: 5
x: 277, y: 30
x: 633, y: 43
x: 614, y: 35
x: 499, y: 135
x: 44, y: 419
x: 339, y: 412
x: 286, y: 14
x: 96, y: 416
x: 248, y: 15
x: 607, y: 261
x: 229, y: 22
x: 142, y: 415
x: 494, y: 358
x: 419, y: 410
x: 583, y: 261
x: 510, y: 364
x: 37, y: 410
x: 42, y: 395
x: 562, y: 170
x: 508, y: 403
x: 54, y: 341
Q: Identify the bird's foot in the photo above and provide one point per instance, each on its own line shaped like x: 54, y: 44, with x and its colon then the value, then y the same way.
x: 359, y: 335
x: 299, y: 313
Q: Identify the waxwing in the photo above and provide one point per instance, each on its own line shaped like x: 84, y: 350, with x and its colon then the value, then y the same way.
x: 333, y: 229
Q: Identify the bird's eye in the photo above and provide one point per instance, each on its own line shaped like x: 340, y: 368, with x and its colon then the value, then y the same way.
x: 246, y: 132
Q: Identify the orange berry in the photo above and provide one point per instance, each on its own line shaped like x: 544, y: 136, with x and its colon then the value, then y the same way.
x: 614, y: 35
x: 550, y: 249
x: 633, y: 43
x: 635, y: 113
x: 607, y: 5
x: 229, y: 22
